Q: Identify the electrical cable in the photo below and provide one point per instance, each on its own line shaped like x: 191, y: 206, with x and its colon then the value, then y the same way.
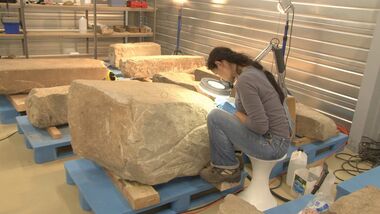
x: 10, y: 135
x: 282, y: 198
x: 369, y: 155
x: 290, y: 38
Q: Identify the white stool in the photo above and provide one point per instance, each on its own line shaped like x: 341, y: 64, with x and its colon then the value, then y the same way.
x: 258, y: 192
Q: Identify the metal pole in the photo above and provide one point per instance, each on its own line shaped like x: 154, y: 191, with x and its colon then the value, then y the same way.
x: 87, y: 39
x: 140, y: 23
x: 125, y: 24
x: 179, y: 27
x: 154, y: 20
x: 25, y: 39
x: 95, y: 33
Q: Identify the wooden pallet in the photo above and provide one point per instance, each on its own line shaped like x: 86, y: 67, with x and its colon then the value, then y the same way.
x: 44, y: 147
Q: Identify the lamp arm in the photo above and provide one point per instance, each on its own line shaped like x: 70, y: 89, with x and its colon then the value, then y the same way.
x: 264, y: 52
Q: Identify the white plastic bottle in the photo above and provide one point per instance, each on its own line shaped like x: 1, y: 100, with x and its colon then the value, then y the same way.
x: 82, y: 25
x: 298, y: 160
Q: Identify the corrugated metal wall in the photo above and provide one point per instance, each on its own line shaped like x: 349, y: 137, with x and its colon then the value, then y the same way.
x: 63, y: 20
x: 331, y: 40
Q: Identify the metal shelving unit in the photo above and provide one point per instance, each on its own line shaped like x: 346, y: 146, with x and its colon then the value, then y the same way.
x: 25, y: 34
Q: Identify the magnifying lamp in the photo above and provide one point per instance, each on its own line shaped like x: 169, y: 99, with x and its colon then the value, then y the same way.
x: 284, y: 5
x: 215, y: 88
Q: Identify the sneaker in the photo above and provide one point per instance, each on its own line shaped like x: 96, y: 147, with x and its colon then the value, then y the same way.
x: 217, y: 175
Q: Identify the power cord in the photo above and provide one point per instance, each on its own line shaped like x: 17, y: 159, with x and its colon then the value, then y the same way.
x: 290, y: 38
x: 282, y: 198
x: 369, y: 155
x: 8, y: 136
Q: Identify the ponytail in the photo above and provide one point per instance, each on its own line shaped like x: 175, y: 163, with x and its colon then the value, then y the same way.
x: 222, y: 53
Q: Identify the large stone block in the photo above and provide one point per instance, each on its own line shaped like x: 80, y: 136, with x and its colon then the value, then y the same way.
x: 120, y: 51
x: 147, y: 66
x: 366, y: 200
x: 141, y: 131
x: 21, y: 75
x: 204, y: 72
x: 232, y: 204
x: 314, y: 125
x: 47, y: 107
x: 182, y: 79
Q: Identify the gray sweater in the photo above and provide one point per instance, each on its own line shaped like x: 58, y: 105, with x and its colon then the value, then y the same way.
x: 256, y: 97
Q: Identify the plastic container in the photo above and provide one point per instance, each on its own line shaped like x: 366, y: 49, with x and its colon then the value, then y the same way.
x: 298, y: 160
x: 11, y: 25
x: 116, y: 3
x: 304, y: 180
x: 84, y: 2
x: 82, y: 25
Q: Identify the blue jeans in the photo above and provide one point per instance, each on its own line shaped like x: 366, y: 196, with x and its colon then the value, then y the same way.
x: 228, y: 134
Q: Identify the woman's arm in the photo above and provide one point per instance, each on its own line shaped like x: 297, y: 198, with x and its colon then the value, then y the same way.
x: 256, y: 118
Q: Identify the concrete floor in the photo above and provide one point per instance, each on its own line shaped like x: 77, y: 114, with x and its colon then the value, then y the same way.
x: 26, y: 187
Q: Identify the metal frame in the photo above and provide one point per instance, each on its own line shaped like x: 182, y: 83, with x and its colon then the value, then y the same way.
x: 25, y: 32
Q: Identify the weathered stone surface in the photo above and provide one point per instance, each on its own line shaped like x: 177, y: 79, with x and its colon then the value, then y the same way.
x: 314, y: 125
x: 121, y: 51
x: 147, y: 66
x: 141, y: 131
x: 21, y: 75
x: 204, y: 72
x: 232, y: 204
x: 182, y: 79
x: 366, y: 200
x: 47, y: 107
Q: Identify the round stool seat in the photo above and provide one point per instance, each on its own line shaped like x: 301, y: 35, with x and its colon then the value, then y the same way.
x: 258, y: 192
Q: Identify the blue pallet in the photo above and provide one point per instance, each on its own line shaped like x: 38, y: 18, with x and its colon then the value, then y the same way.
x: 98, y: 193
x: 315, y: 151
x: 7, y: 112
x: 45, y: 148
x: 291, y: 207
x: 358, y: 182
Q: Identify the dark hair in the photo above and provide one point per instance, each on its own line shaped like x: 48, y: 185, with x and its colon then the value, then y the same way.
x: 223, y: 53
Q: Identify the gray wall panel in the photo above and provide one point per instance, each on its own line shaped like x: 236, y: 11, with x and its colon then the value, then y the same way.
x: 329, y: 46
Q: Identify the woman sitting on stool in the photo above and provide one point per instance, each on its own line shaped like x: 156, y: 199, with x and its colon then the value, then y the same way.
x: 260, y: 126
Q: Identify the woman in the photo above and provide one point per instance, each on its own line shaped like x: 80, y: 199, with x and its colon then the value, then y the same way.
x: 260, y: 126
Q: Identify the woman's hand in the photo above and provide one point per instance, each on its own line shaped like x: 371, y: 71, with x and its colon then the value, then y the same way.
x: 242, y: 117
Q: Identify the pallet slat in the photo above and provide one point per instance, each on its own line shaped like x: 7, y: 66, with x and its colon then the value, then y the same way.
x: 18, y: 101
x: 54, y: 132
x: 139, y: 195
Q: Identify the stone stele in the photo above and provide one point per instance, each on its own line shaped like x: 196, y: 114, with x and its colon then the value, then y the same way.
x: 182, y: 79
x: 47, y: 107
x: 141, y: 131
x: 314, y: 125
x: 366, y: 200
x: 204, y: 72
x: 121, y: 51
x: 232, y: 204
x: 21, y: 75
x: 147, y: 66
